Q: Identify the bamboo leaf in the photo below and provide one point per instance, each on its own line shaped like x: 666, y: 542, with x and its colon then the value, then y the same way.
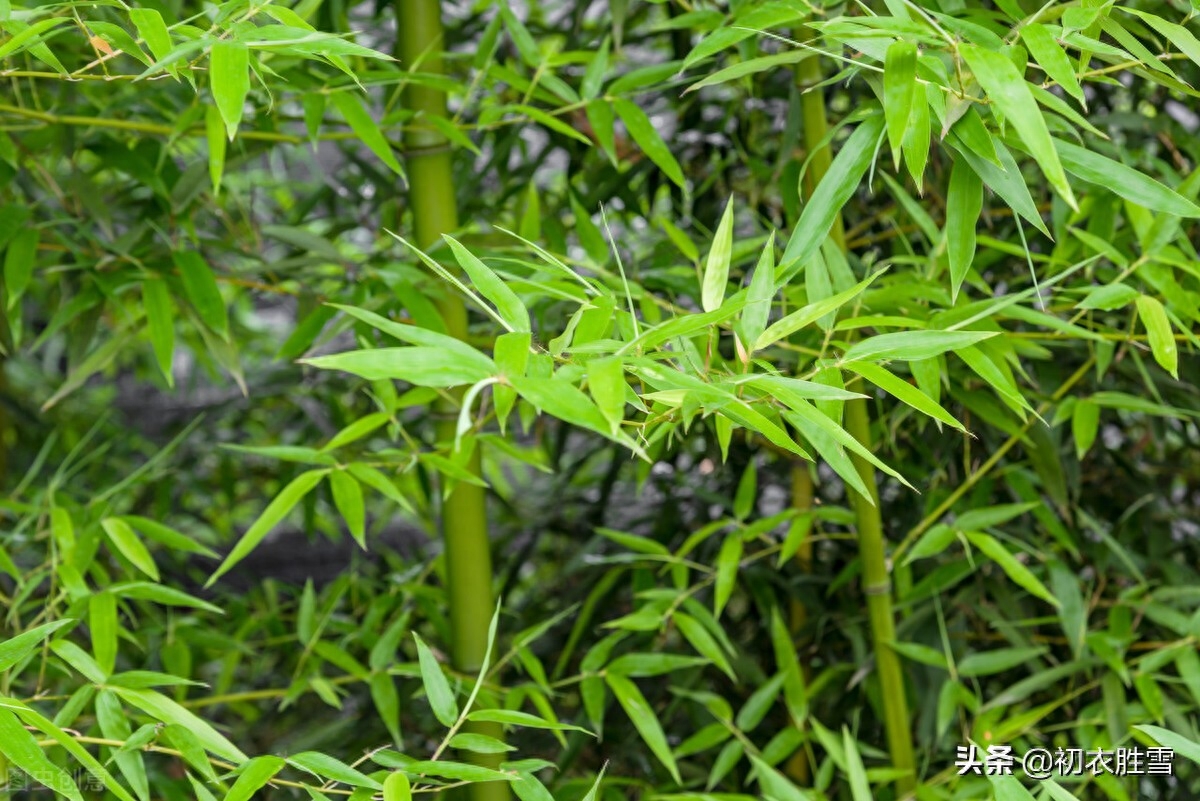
x: 1173, y: 741
x: 160, y: 323
x: 365, y: 128
x: 254, y: 776
x: 904, y: 392
x: 153, y: 30
x: 758, y: 298
x: 162, y: 708
x: 644, y: 720
x: 751, y: 66
x: 899, y: 90
x: 423, y: 366
x: 200, y: 286
x: 102, y: 623
x: 23, y: 751
x: 716, y: 269
x: 832, y: 193
x: 647, y: 138
x: 1159, y: 334
x: 1052, y: 59
x: 964, y: 204
x: 216, y: 146
x: 491, y: 287
x: 860, y: 787
x: 229, y: 81
x: 1007, y: 89
x: 1021, y: 575
x: 912, y: 345
x: 14, y: 649
x: 127, y: 543
x: 396, y: 787
x: 19, y: 261
x: 1125, y: 181
x: 328, y: 767
x: 728, y: 561
x: 1085, y: 423
x: 275, y: 512
x: 348, y: 498
x: 437, y: 689
x: 606, y: 384
x: 811, y: 313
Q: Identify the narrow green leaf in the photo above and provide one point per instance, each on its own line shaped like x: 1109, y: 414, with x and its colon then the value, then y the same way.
x: 129, y: 545
x: 964, y: 204
x: 423, y: 366
x: 758, y: 297
x: 229, y: 81
x: 160, y: 322
x: 511, y: 717
x: 1007, y: 89
x: 19, y: 261
x: 491, y: 286
x: 647, y: 138
x: 607, y: 386
x: 328, y: 767
x: 994, y: 550
x: 751, y: 66
x: 254, y: 776
x: 162, y: 708
x: 834, y: 190
x: 1159, y: 334
x: 396, y: 787
x: 904, y: 392
x: 912, y: 345
x: 809, y: 314
x: 987, y: 663
x: 437, y: 689
x: 716, y: 269
x: 216, y: 146
x: 102, y: 623
x: 644, y: 720
x: 899, y: 90
x: 200, y: 285
x: 365, y: 128
x: 1170, y: 739
x: 1085, y: 423
x: 276, y: 510
x: 348, y: 498
x: 1126, y: 182
x: 728, y: 562
x: 860, y: 787
x: 1052, y: 59
x: 153, y: 30
x: 23, y: 750
x: 15, y: 649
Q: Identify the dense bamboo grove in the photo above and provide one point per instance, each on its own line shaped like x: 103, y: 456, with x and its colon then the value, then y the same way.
x: 660, y: 400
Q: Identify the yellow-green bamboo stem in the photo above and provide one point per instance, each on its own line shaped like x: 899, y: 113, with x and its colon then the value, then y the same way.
x: 876, y: 580
x: 798, y: 767
x: 464, y: 512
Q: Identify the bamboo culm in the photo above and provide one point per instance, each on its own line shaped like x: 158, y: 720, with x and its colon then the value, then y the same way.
x: 876, y: 580
x: 464, y: 512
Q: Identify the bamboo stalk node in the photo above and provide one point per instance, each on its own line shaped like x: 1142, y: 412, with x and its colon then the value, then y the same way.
x: 879, y: 588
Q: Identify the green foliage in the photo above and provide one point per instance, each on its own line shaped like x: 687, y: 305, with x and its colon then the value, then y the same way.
x: 684, y: 324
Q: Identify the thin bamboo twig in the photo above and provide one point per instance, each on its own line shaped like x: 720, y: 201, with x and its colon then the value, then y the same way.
x: 992, y: 461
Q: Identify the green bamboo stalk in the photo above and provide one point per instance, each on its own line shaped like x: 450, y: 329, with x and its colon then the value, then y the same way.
x: 464, y: 512
x: 871, y: 541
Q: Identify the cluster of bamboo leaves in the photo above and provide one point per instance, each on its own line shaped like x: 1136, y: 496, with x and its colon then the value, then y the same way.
x: 1031, y: 282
